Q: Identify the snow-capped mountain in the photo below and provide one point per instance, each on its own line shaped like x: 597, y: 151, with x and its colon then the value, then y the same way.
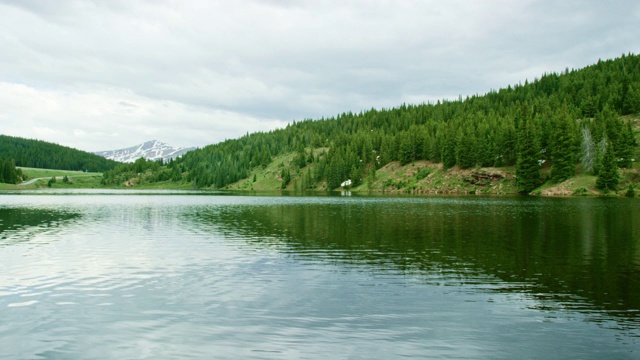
x: 151, y: 150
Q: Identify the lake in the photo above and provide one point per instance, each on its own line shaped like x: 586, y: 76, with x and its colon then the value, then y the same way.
x: 113, y: 274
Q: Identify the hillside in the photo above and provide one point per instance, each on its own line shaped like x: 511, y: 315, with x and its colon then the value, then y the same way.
x: 542, y: 132
x: 41, y: 154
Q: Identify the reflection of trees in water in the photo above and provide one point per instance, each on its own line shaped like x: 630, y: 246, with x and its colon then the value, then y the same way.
x: 21, y: 224
x: 576, y: 253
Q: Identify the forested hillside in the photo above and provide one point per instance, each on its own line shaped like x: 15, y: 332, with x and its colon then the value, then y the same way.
x: 41, y: 154
x: 568, y: 121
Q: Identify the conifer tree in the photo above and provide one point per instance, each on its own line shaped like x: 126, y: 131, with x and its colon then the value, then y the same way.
x: 527, y: 167
x: 464, y: 149
x: 449, y: 150
x: 563, y: 148
x: 626, y: 146
x: 608, y: 176
x: 407, y: 154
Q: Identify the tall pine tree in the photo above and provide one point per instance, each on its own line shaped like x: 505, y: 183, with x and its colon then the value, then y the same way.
x: 564, y: 148
x: 608, y: 177
x: 527, y: 167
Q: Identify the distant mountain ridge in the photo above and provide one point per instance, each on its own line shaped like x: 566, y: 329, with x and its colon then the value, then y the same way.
x: 150, y: 150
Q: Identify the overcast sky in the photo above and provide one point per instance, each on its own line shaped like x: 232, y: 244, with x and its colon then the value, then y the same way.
x: 108, y: 74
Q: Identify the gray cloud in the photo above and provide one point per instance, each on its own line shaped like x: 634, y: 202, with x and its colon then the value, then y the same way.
x: 216, y: 70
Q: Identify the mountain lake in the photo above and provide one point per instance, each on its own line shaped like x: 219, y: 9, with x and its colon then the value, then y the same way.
x: 170, y: 274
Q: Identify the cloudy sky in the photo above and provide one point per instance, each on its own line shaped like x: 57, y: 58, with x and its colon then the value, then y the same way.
x: 107, y: 74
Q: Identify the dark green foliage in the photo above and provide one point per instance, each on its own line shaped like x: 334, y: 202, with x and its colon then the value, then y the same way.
x: 465, y: 148
x: 632, y: 100
x: 8, y: 172
x: 65, y: 179
x: 608, y: 177
x: 423, y: 173
x: 51, y: 181
x: 487, y: 130
x: 449, y: 151
x: 151, y: 170
x: 631, y: 191
x: 627, y: 146
x: 564, y: 147
x: 407, y: 149
x: 285, y: 175
x: 527, y: 166
x: 41, y: 154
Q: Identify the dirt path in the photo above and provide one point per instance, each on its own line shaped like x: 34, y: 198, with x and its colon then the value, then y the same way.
x: 29, y: 182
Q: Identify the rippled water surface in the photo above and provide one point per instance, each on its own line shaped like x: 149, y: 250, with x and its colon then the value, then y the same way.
x: 192, y: 275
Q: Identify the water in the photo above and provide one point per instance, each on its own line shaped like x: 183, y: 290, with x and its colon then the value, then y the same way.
x: 192, y: 275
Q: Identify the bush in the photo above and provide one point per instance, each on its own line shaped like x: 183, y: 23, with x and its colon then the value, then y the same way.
x: 423, y: 173
x: 631, y: 191
x: 580, y: 191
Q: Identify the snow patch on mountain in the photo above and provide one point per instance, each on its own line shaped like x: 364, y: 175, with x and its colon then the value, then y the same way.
x: 150, y: 150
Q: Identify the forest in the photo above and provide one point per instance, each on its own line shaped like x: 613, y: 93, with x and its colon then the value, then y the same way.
x: 569, y: 120
x: 40, y: 154
x: 577, y: 119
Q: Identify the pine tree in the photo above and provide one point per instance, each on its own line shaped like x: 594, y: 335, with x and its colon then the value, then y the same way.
x: 563, y: 148
x: 464, y: 148
x: 632, y: 101
x: 449, y: 150
x: 608, y: 176
x: 407, y: 154
x: 527, y: 167
x: 625, y: 148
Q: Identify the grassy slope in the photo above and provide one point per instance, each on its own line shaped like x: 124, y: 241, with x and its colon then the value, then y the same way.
x: 422, y: 177
x: 77, y: 179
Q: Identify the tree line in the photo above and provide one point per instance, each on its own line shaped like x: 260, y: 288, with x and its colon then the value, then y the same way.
x: 562, y: 120
x: 41, y: 154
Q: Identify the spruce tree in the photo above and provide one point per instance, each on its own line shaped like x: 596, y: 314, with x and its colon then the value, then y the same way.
x: 527, y: 167
x: 563, y: 148
x: 449, y: 151
x: 407, y: 154
x: 608, y: 176
x: 626, y: 147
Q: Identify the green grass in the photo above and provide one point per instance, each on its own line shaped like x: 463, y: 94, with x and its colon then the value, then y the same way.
x: 38, y: 173
x: 267, y: 179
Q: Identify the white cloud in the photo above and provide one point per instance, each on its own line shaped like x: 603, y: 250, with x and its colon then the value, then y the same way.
x: 107, y: 74
x: 104, y: 118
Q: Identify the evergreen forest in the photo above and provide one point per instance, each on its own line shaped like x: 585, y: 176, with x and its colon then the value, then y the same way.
x: 577, y: 119
x: 581, y: 120
x: 41, y: 154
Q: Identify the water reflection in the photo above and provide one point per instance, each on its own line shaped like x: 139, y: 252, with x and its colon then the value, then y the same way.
x: 261, y: 277
x: 578, y: 254
x: 22, y: 224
